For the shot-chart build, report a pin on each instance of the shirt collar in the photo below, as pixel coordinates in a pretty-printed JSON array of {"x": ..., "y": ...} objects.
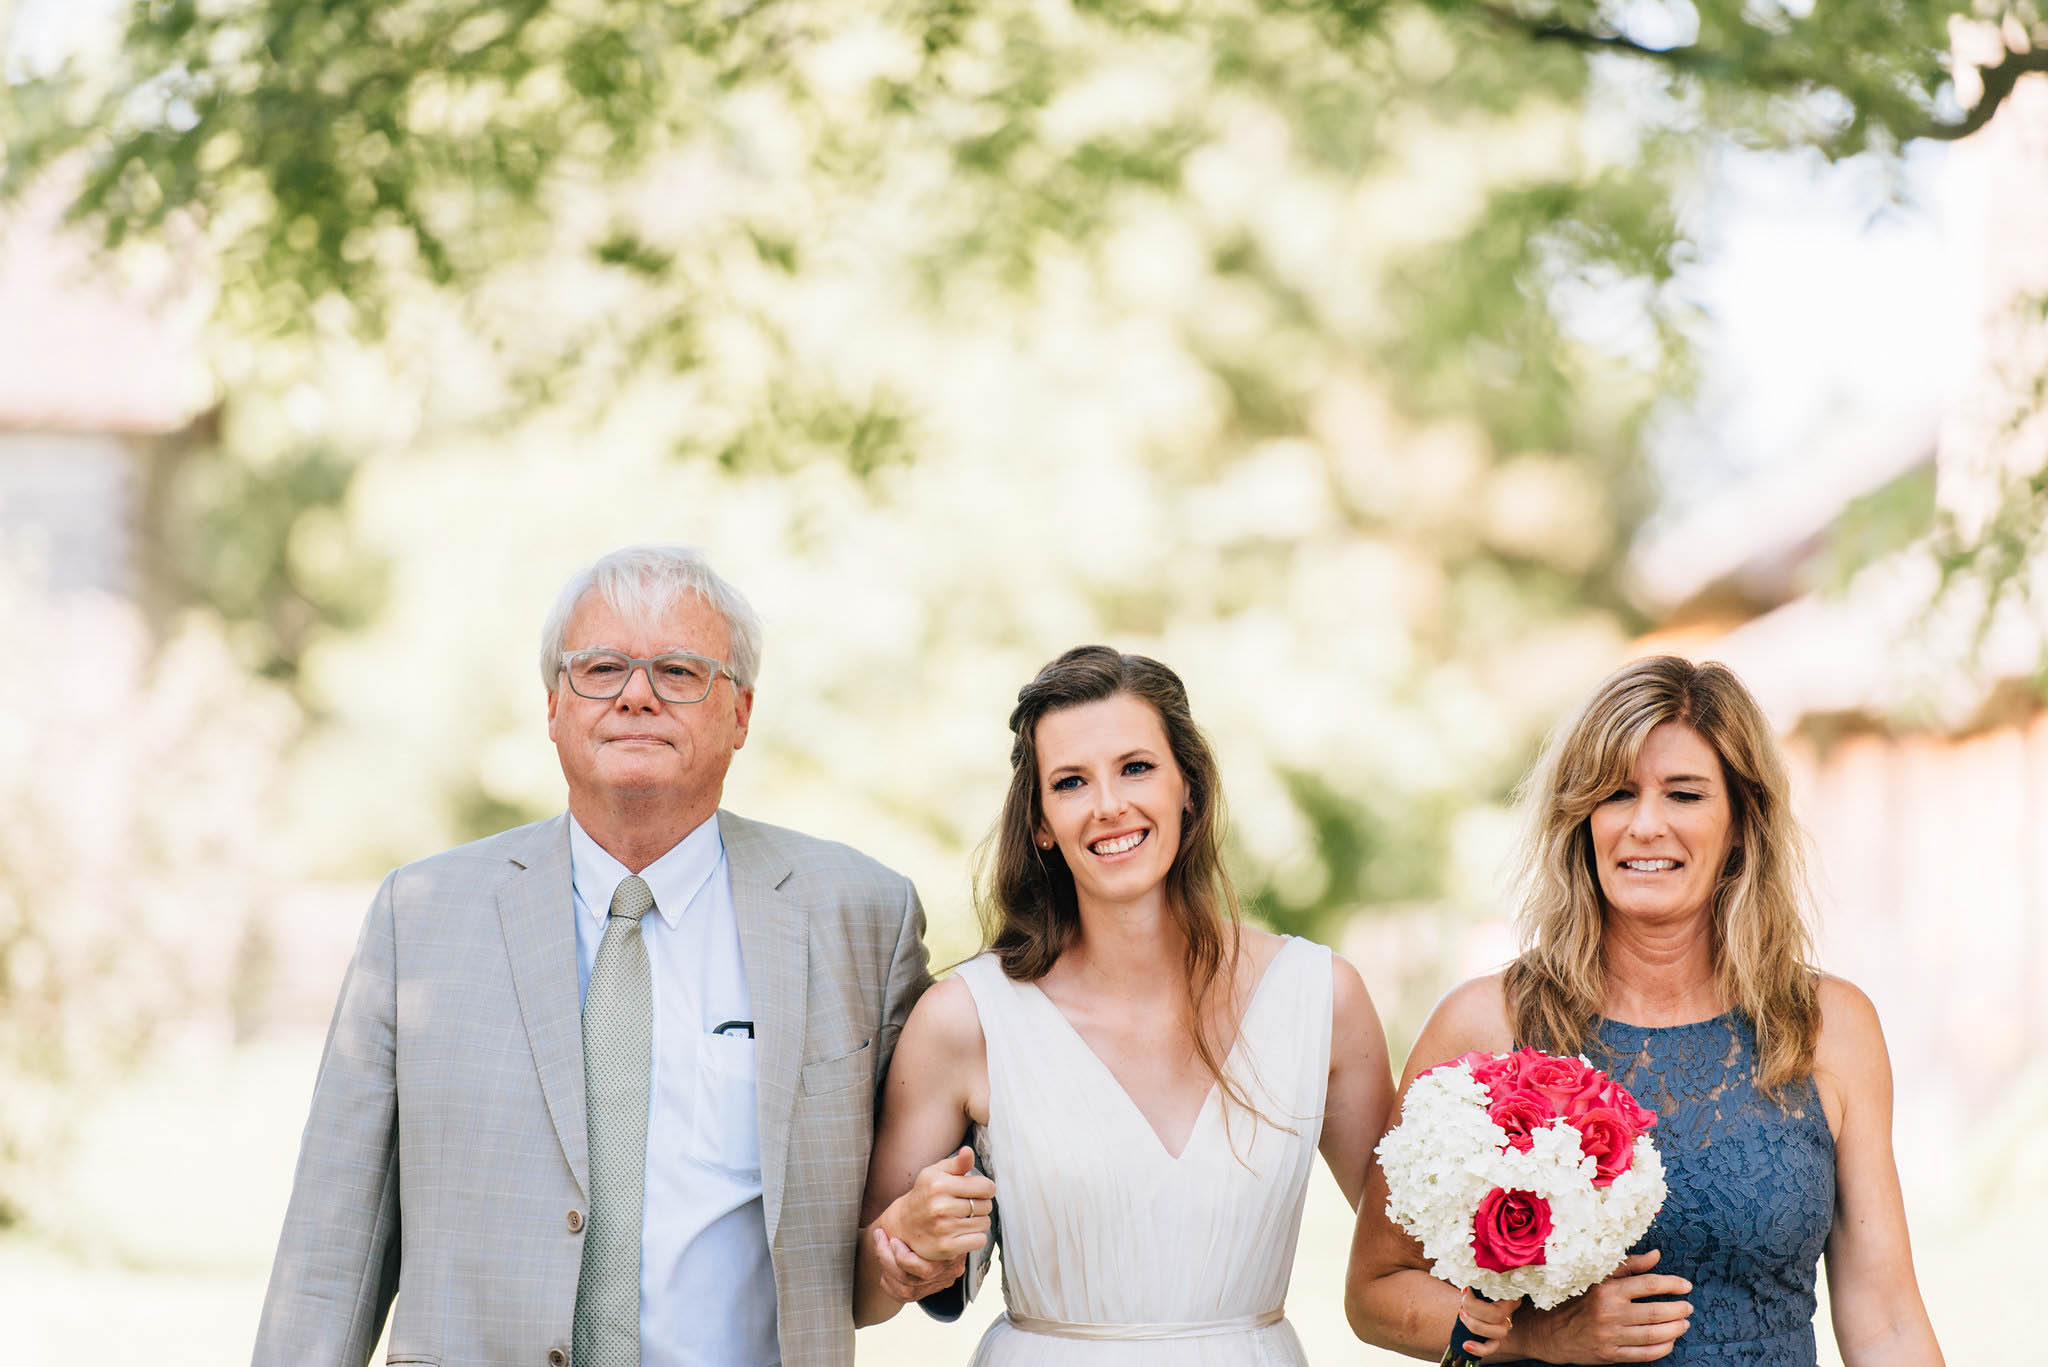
[{"x": 674, "y": 879}]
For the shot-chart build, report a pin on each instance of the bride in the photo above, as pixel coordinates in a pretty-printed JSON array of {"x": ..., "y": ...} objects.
[{"x": 1147, "y": 1078}]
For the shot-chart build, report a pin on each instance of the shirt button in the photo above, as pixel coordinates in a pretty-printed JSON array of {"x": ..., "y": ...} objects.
[
  {"x": 557, "y": 1358},
  {"x": 575, "y": 1227}
]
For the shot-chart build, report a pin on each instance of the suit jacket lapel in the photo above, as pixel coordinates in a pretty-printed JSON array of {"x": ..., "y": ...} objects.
[
  {"x": 536, "y": 908},
  {"x": 775, "y": 944}
]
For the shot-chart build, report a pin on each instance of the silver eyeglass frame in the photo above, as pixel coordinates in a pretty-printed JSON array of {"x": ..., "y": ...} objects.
[{"x": 713, "y": 669}]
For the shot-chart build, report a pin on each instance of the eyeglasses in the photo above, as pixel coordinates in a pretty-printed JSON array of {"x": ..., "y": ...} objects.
[{"x": 678, "y": 676}]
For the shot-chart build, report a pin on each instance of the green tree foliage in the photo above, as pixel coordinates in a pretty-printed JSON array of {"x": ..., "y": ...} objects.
[
  {"x": 1415, "y": 257},
  {"x": 328, "y": 155}
]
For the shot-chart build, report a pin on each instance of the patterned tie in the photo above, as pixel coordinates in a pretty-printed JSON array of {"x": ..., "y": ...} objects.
[{"x": 618, "y": 1046}]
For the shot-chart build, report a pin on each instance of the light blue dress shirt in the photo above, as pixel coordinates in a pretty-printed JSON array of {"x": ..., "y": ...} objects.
[{"x": 707, "y": 1290}]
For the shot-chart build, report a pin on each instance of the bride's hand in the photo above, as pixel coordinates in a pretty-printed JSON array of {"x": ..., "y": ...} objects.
[{"x": 945, "y": 1214}]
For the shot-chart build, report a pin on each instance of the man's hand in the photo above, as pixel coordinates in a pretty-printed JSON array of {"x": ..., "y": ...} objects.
[{"x": 907, "y": 1277}]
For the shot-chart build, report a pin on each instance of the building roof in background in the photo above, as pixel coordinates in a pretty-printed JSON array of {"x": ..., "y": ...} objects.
[
  {"x": 1890, "y": 645},
  {"x": 1755, "y": 545},
  {"x": 82, "y": 352},
  {"x": 1744, "y": 580}
]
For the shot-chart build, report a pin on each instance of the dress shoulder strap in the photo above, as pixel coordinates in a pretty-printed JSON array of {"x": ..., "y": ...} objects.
[{"x": 1286, "y": 1028}]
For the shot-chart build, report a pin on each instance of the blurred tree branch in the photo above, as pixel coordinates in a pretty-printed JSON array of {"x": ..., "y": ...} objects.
[
  {"x": 1999, "y": 80},
  {"x": 1888, "y": 64}
]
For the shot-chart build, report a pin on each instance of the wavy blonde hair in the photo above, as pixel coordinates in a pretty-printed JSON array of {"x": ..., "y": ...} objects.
[{"x": 1762, "y": 947}]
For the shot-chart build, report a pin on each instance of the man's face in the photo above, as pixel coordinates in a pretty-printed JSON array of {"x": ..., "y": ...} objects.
[{"x": 636, "y": 746}]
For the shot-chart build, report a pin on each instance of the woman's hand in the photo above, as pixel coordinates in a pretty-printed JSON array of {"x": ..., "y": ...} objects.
[
  {"x": 1488, "y": 1320},
  {"x": 1611, "y": 1322},
  {"x": 945, "y": 1214}
]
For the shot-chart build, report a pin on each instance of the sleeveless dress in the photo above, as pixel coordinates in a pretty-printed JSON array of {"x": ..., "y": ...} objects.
[
  {"x": 1115, "y": 1253},
  {"x": 1752, "y": 1187}
]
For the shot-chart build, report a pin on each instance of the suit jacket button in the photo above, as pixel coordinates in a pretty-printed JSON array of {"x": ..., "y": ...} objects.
[
  {"x": 575, "y": 1227},
  {"x": 557, "y": 1358}
]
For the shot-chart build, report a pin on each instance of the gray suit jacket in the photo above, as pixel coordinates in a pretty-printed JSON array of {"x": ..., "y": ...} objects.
[{"x": 446, "y": 1148}]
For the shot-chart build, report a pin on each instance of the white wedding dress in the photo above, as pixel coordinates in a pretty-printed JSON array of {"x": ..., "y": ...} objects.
[{"x": 1116, "y": 1253}]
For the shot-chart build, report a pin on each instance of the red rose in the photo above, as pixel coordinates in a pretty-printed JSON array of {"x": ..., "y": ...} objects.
[
  {"x": 1638, "y": 1118},
  {"x": 1595, "y": 1090},
  {"x": 1510, "y": 1230},
  {"x": 1520, "y": 1112},
  {"x": 1560, "y": 1079},
  {"x": 1606, "y": 1137},
  {"x": 1490, "y": 1069}
]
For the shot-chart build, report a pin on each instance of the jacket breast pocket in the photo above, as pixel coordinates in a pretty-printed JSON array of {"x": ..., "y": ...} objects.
[{"x": 839, "y": 1073}]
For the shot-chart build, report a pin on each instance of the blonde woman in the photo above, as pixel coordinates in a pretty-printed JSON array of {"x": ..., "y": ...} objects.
[{"x": 1662, "y": 912}]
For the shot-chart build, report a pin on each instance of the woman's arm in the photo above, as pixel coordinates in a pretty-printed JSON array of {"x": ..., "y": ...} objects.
[
  {"x": 1873, "y": 1295},
  {"x": 916, "y": 1223},
  {"x": 1389, "y": 1296},
  {"x": 1361, "y": 1088}
]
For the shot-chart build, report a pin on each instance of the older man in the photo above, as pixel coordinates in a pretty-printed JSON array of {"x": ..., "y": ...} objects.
[{"x": 600, "y": 1090}]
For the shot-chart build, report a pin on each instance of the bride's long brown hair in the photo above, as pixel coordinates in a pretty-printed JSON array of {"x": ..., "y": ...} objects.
[{"x": 1025, "y": 895}]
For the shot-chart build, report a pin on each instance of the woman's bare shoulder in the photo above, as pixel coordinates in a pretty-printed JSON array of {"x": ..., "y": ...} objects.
[
  {"x": 1472, "y": 1015},
  {"x": 1477, "y": 1006},
  {"x": 945, "y": 1021},
  {"x": 1351, "y": 1008},
  {"x": 1850, "y": 1035}
]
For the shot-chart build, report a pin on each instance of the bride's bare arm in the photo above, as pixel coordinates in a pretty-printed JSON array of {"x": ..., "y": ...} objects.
[
  {"x": 922, "y": 1212},
  {"x": 1361, "y": 1081}
]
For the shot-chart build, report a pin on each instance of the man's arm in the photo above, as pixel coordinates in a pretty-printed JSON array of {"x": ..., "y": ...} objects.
[{"x": 337, "y": 1260}]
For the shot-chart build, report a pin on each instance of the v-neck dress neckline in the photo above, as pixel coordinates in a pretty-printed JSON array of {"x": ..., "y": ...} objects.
[
  {"x": 1211, "y": 1098},
  {"x": 1115, "y": 1253}
]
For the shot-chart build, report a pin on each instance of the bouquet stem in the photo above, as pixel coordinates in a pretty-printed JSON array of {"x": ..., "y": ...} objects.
[{"x": 1455, "y": 1355}]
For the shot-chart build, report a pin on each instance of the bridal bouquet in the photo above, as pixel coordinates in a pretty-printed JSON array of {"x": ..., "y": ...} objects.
[{"x": 1521, "y": 1174}]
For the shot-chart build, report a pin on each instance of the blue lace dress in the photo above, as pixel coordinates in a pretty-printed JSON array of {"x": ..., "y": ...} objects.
[{"x": 1752, "y": 1187}]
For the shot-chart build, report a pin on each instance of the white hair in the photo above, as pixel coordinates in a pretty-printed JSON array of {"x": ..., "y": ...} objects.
[{"x": 643, "y": 584}]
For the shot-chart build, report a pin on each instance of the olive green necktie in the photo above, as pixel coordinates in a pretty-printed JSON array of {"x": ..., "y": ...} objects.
[{"x": 618, "y": 1052}]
